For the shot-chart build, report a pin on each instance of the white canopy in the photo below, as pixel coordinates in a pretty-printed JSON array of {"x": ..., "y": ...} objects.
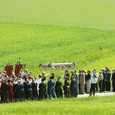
[{"x": 58, "y": 66}]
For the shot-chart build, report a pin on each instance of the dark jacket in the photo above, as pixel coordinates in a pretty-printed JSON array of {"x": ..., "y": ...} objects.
[
  {"x": 113, "y": 77},
  {"x": 51, "y": 90},
  {"x": 28, "y": 88},
  {"x": 42, "y": 91},
  {"x": 108, "y": 76},
  {"x": 34, "y": 90},
  {"x": 74, "y": 87},
  {"x": 21, "y": 93},
  {"x": 4, "y": 89},
  {"x": 58, "y": 89}
]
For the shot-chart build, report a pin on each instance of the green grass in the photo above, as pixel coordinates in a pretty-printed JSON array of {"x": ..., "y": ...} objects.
[
  {"x": 73, "y": 106},
  {"x": 43, "y": 31},
  {"x": 101, "y": 64},
  {"x": 75, "y": 13},
  {"x": 37, "y": 44}
]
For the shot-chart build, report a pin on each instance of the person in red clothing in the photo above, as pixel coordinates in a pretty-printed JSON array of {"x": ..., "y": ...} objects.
[{"x": 10, "y": 91}]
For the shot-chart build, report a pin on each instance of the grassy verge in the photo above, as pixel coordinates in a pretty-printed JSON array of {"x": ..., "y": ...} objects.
[{"x": 79, "y": 106}]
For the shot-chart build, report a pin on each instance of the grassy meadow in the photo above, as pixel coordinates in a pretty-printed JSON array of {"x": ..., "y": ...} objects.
[
  {"x": 37, "y": 44},
  {"x": 49, "y": 31},
  {"x": 70, "y": 13},
  {"x": 73, "y": 106}
]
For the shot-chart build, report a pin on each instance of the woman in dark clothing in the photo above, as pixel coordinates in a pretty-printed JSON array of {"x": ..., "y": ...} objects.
[
  {"x": 42, "y": 90},
  {"x": 66, "y": 87},
  {"x": 73, "y": 88},
  {"x": 58, "y": 88}
]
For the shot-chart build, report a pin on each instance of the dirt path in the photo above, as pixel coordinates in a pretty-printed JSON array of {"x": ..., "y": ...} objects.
[{"x": 98, "y": 94}]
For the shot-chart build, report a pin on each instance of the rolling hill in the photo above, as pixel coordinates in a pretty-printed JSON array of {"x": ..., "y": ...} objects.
[{"x": 43, "y": 31}]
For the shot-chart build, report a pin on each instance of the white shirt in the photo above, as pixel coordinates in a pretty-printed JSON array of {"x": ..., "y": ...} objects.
[
  {"x": 93, "y": 79},
  {"x": 100, "y": 77},
  {"x": 22, "y": 74}
]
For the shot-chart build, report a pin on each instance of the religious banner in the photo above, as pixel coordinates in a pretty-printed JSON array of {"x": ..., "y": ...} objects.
[
  {"x": 58, "y": 66},
  {"x": 9, "y": 70},
  {"x": 18, "y": 68}
]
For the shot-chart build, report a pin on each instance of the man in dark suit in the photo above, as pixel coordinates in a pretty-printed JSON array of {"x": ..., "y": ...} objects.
[
  {"x": 15, "y": 89},
  {"x": 21, "y": 92},
  {"x": 104, "y": 78},
  {"x": 108, "y": 80},
  {"x": 28, "y": 88},
  {"x": 4, "y": 89},
  {"x": 34, "y": 90},
  {"x": 42, "y": 90},
  {"x": 113, "y": 79}
]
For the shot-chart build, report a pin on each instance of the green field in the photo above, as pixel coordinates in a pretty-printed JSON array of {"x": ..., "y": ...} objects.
[
  {"x": 37, "y": 44},
  {"x": 73, "y": 106},
  {"x": 75, "y": 13},
  {"x": 48, "y": 31}
]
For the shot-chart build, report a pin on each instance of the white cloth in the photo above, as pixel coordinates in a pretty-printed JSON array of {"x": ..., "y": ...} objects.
[
  {"x": 15, "y": 82},
  {"x": 22, "y": 80},
  {"x": 38, "y": 83},
  {"x": 30, "y": 81},
  {"x": 100, "y": 77},
  {"x": 93, "y": 80},
  {"x": 22, "y": 74}
]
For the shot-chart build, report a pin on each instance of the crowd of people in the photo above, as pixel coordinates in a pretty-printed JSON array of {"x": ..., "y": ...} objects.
[{"x": 24, "y": 87}]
